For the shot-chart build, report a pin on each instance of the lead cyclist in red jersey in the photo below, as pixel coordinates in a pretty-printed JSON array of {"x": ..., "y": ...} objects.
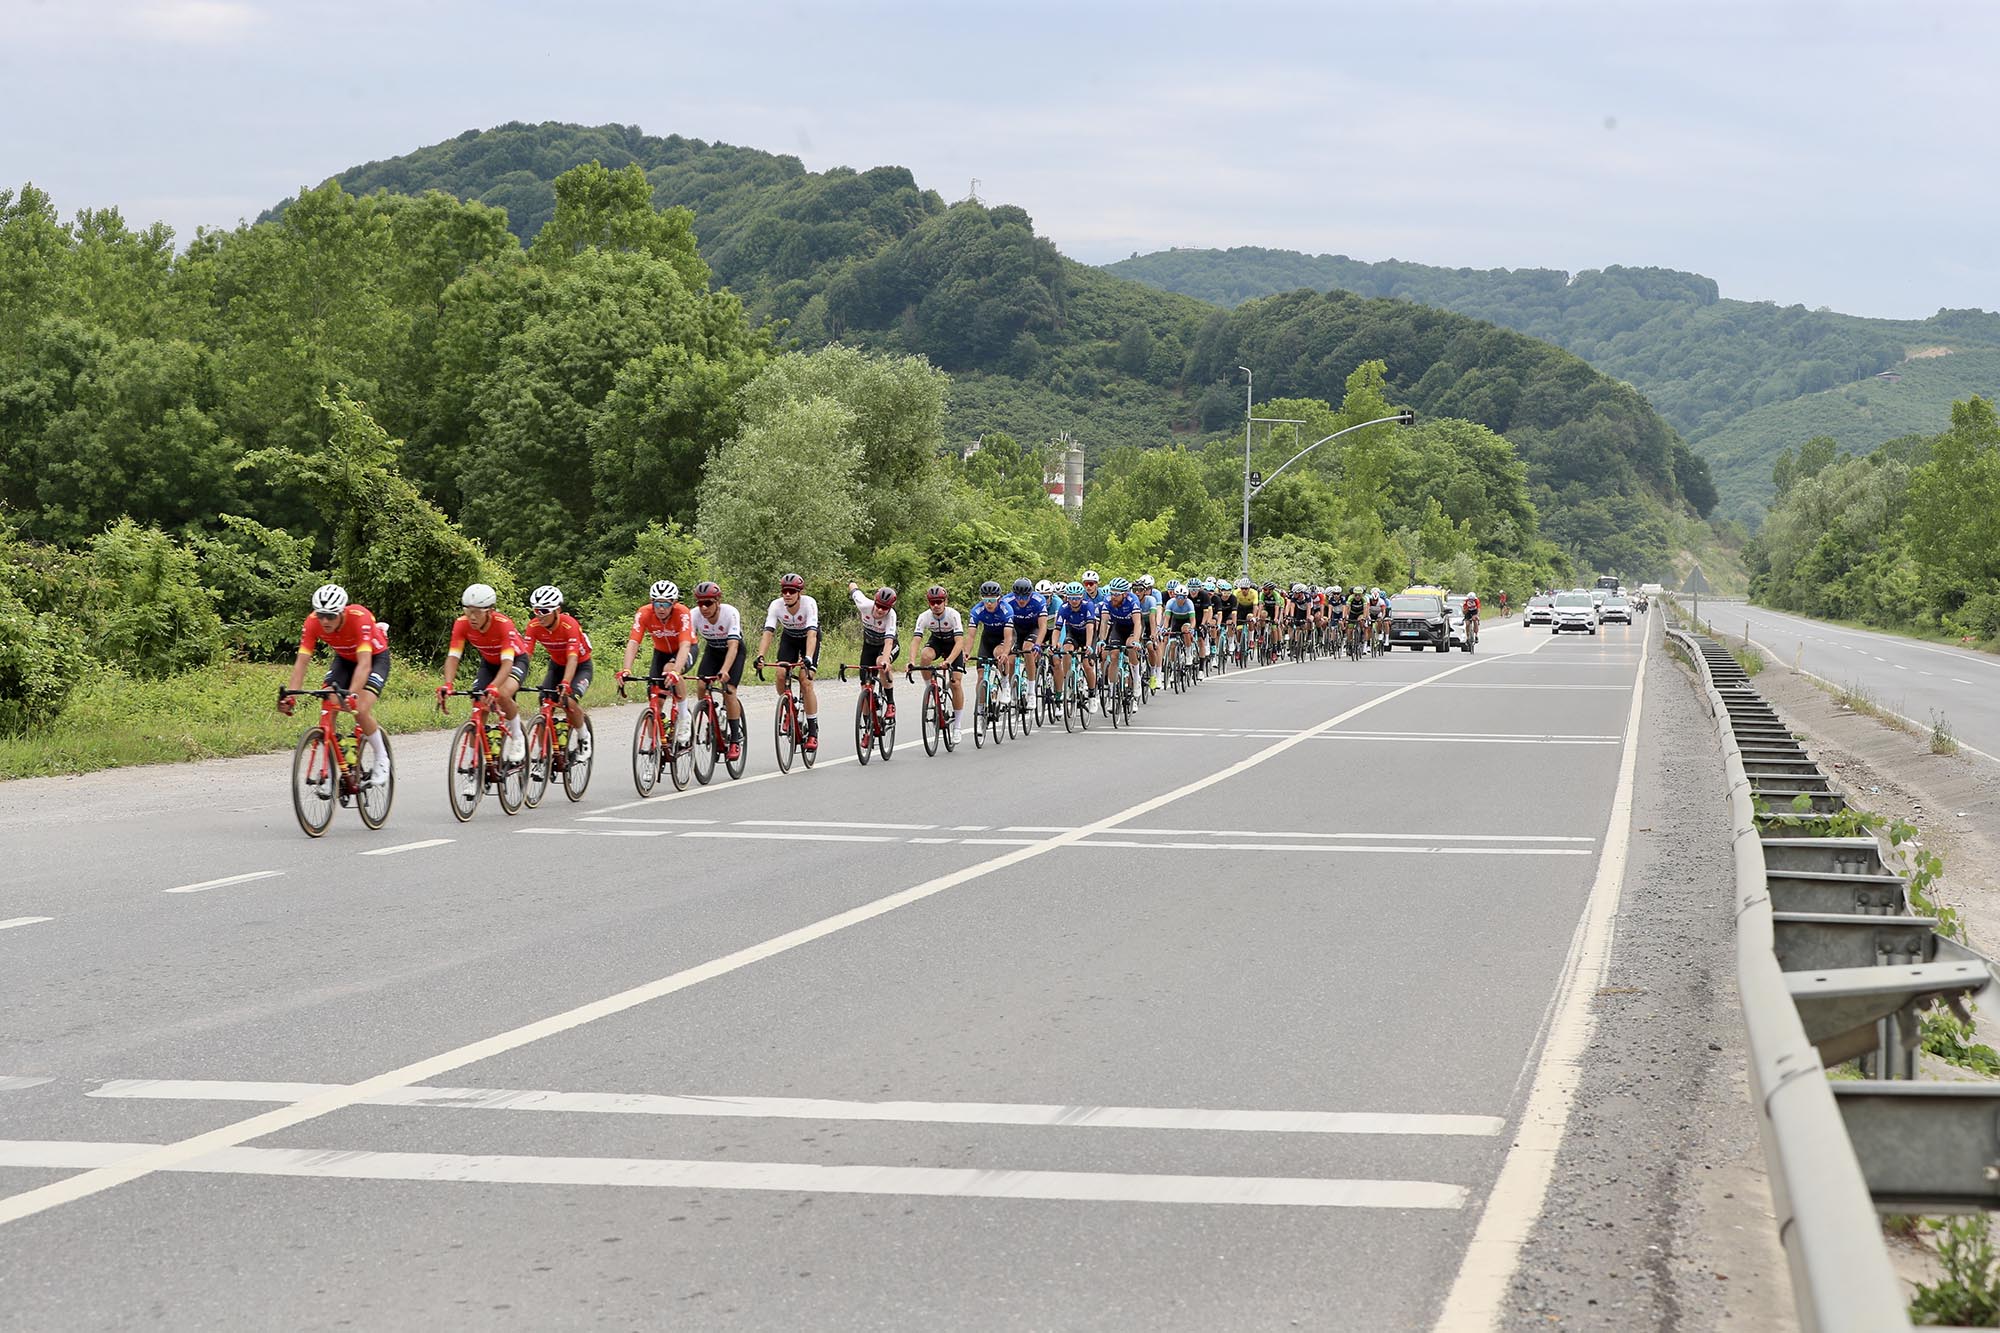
[
  {"x": 568, "y": 648},
  {"x": 360, "y": 645}
]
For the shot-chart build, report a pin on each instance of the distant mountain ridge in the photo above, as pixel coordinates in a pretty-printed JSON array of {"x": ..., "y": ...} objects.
[{"x": 1705, "y": 361}]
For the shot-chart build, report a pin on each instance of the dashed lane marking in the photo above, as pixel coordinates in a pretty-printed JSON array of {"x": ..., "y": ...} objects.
[
  {"x": 205, "y": 885},
  {"x": 11, "y": 922},
  {"x": 409, "y": 847}
]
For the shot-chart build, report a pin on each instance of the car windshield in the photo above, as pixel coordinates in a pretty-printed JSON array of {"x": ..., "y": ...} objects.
[
  {"x": 1573, "y": 599},
  {"x": 1416, "y": 606},
  {"x": 1543, "y": 600},
  {"x": 1618, "y": 602}
]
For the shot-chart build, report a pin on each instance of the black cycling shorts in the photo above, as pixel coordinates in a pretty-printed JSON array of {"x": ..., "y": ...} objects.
[
  {"x": 941, "y": 646},
  {"x": 1175, "y": 624},
  {"x": 990, "y": 639},
  {"x": 662, "y": 663},
  {"x": 792, "y": 646},
  {"x": 871, "y": 648},
  {"x": 490, "y": 671},
  {"x": 712, "y": 653},
  {"x": 340, "y": 674},
  {"x": 1122, "y": 632},
  {"x": 552, "y": 679}
]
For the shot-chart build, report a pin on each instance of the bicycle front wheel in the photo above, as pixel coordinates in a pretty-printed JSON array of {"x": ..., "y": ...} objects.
[
  {"x": 932, "y": 730},
  {"x": 864, "y": 725},
  {"x": 704, "y": 742},
  {"x": 315, "y": 779},
  {"x": 680, "y": 750},
  {"x": 784, "y": 739},
  {"x": 979, "y": 714},
  {"x": 581, "y": 759},
  {"x": 510, "y": 783},
  {"x": 647, "y": 757},
  {"x": 377, "y": 797},
  {"x": 541, "y": 763},
  {"x": 465, "y": 775}
]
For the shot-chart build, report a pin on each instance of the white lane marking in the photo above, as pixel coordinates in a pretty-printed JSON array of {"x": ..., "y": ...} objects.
[
  {"x": 16, "y": 1082},
  {"x": 14, "y": 921},
  {"x": 790, "y": 837},
  {"x": 929, "y": 842},
  {"x": 1471, "y": 740},
  {"x": 169, "y": 1156},
  {"x": 551, "y": 830},
  {"x": 1385, "y": 837},
  {"x": 970, "y": 828},
  {"x": 1956, "y": 681},
  {"x": 610, "y": 832},
  {"x": 1932, "y": 674},
  {"x": 822, "y": 823},
  {"x": 788, "y": 1177},
  {"x": 1337, "y": 847},
  {"x": 825, "y": 1108},
  {"x": 1478, "y": 1294},
  {"x": 1900, "y": 667},
  {"x": 1035, "y": 828},
  {"x": 998, "y": 842},
  {"x": 642, "y": 819},
  {"x": 697, "y": 790},
  {"x": 226, "y": 880},
  {"x": 408, "y": 847}
]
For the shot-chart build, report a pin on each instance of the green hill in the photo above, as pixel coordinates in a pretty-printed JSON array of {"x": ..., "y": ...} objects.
[
  {"x": 1039, "y": 343},
  {"x": 1704, "y": 361}
]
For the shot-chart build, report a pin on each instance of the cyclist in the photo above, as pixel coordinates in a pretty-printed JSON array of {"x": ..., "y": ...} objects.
[
  {"x": 569, "y": 670},
  {"x": 996, "y": 633},
  {"x": 1030, "y": 609},
  {"x": 941, "y": 634},
  {"x": 1182, "y": 613},
  {"x": 1357, "y": 611},
  {"x": 667, "y": 623},
  {"x": 1242, "y": 611},
  {"x": 878, "y": 638},
  {"x": 1273, "y": 613},
  {"x": 720, "y": 628},
  {"x": 1090, "y": 588},
  {"x": 1379, "y": 604},
  {"x": 1076, "y": 623},
  {"x": 360, "y": 647},
  {"x": 1124, "y": 621},
  {"x": 797, "y": 616},
  {"x": 1299, "y": 614},
  {"x": 1471, "y": 608},
  {"x": 503, "y": 661},
  {"x": 1153, "y": 624}
]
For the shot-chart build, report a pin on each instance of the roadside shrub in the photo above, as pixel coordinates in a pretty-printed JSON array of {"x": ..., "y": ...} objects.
[
  {"x": 659, "y": 551},
  {"x": 262, "y": 579},
  {"x": 149, "y": 611},
  {"x": 41, "y": 659}
]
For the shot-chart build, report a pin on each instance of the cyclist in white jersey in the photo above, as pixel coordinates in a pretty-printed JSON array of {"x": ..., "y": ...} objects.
[
  {"x": 878, "y": 638},
  {"x": 795, "y": 618},
  {"x": 941, "y": 642},
  {"x": 720, "y": 629}
]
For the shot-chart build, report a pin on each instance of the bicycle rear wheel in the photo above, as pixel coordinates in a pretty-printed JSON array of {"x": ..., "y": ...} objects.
[
  {"x": 465, "y": 774},
  {"x": 377, "y": 797},
  {"x": 541, "y": 762},
  {"x": 1067, "y": 705},
  {"x": 647, "y": 756},
  {"x": 680, "y": 749},
  {"x": 785, "y": 740},
  {"x": 314, "y": 783},
  {"x": 704, "y": 743},
  {"x": 509, "y": 783},
  {"x": 580, "y": 760},
  {"x": 885, "y": 740},
  {"x": 742, "y": 759}
]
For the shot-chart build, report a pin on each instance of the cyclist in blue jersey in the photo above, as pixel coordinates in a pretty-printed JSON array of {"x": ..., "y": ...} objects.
[
  {"x": 1031, "y": 616},
  {"x": 1091, "y": 589},
  {"x": 1182, "y": 612},
  {"x": 1124, "y": 621},
  {"x": 1152, "y": 623},
  {"x": 996, "y": 632},
  {"x": 1076, "y": 626}
]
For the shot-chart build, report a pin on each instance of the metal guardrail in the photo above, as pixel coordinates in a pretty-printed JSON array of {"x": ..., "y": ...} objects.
[{"x": 1830, "y": 967}]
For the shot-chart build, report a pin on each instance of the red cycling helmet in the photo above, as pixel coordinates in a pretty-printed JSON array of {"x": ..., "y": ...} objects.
[
  {"x": 707, "y": 590},
  {"x": 792, "y": 583},
  {"x": 937, "y": 594},
  {"x": 885, "y": 598}
]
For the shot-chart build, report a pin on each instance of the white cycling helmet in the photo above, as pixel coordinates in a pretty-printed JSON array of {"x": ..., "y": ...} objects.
[
  {"x": 1090, "y": 576},
  {"x": 1044, "y": 587},
  {"x": 1242, "y": 581},
  {"x": 479, "y": 596},
  {"x": 330, "y": 598},
  {"x": 545, "y": 598},
  {"x": 1144, "y": 581},
  {"x": 666, "y": 590}
]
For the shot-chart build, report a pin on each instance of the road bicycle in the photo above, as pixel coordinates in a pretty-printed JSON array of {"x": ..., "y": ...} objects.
[
  {"x": 874, "y": 730},
  {"x": 988, "y": 713},
  {"x": 936, "y": 724},
  {"x": 1122, "y": 691},
  {"x": 1048, "y": 703},
  {"x": 788, "y": 722},
  {"x": 552, "y": 750},
  {"x": 1072, "y": 697},
  {"x": 708, "y": 738},
  {"x": 657, "y": 744},
  {"x": 327, "y": 771},
  {"x": 476, "y": 760}
]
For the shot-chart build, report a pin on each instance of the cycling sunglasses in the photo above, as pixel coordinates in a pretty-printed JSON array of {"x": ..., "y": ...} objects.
[{"x": 705, "y": 602}]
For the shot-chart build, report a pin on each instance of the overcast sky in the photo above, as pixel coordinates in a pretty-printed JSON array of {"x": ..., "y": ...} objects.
[{"x": 1828, "y": 154}]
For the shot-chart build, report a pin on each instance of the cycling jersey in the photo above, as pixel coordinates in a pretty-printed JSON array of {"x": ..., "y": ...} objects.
[
  {"x": 875, "y": 622},
  {"x": 1120, "y": 612},
  {"x": 720, "y": 628},
  {"x": 1076, "y": 618},
  {"x": 357, "y": 629},
  {"x": 1028, "y": 613},
  {"x": 497, "y": 641},
  {"x": 670, "y": 635},
  {"x": 1150, "y": 602},
  {"x": 1181, "y": 607},
  {"x": 1246, "y": 597},
  {"x": 1355, "y": 606},
  {"x": 945, "y": 622},
  {"x": 794, "y": 620},
  {"x": 996, "y": 616},
  {"x": 564, "y": 640}
]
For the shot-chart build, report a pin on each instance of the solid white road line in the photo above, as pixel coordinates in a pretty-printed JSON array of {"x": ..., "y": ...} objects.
[
  {"x": 1479, "y": 1292},
  {"x": 408, "y": 847},
  {"x": 169, "y": 1156},
  {"x": 1383, "y": 837},
  {"x": 15, "y": 1082},
  {"x": 14, "y": 921},
  {"x": 790, "y": 1177},
  {"x": 1318, "y": 850},
  {"x": 823, "y": 1108},
  {"x": 208, "y": 884}
]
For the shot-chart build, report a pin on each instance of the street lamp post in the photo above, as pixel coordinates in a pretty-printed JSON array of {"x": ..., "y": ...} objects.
[
  {"x": 1249, "y": 411},
  {"x": 1402, "y": 418}
]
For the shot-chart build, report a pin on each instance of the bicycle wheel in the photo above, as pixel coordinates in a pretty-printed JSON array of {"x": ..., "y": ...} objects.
[
  {"x": 785, "y": 740},
  {"x": 541, "y": 762},
  {"x": 885, "y": 739},
  {"x": 864, "y": 724},
  {"x": 742, "y": 759},
  {"x": 314, "y": 782},
  {"x": 647, "y": 757},
  {"x": 704, "y": 742},
  {"x": 933, "y": 729},
  {"x": 1004, "y": 710},
  {"x": 680, "y": 749},
  {"x": 510, "y": 783},
  {"x": 582, "y": 758},
  {"x": 1067, "y": 704},
  {"x": 376, "y": 798},
  {"x": 465, "y": 775},
  {"x": 979, "y": 713}
]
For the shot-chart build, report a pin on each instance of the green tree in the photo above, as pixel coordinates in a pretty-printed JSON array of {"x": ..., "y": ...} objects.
[{"x": 783, "y": 495}]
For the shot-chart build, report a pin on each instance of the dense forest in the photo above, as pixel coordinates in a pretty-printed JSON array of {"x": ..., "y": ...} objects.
[
  {"x": 1704, "y": 361},
  {"x": 1905, "y": 537}
]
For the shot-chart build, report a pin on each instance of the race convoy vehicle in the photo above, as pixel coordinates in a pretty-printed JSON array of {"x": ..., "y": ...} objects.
[
  {"x": 1541, "y": 610},
  {"x": 1616, "y": 608},
  {"x": 1418, "y": 620},
  {"x": 1574, "y": 610}
]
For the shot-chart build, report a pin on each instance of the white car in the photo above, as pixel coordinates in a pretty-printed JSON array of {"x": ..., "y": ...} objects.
[
  {"x": 1616, "y": 608},
  {"x": 1574, "y": 610},
  {"x": 1541, "y": 611}
]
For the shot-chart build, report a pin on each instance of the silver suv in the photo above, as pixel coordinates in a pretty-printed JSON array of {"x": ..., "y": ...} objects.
[{"x": 1574, "y": 610}]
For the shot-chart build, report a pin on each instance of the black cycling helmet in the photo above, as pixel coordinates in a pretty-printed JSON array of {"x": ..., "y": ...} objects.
[
  {"x": 1022, "y": 587},
  {"x": 1270, "y": 585},
  {"x": 989, "y": 589}
]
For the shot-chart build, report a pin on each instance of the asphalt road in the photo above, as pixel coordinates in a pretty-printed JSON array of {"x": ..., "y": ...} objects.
[
  {"x": 1906, "y": 676},
  {"x": 1223, "y": 1021}
]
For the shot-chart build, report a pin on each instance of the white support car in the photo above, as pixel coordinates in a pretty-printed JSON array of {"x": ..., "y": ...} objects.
[
  {"x": 1575, "y": 610},
  {"x": 1541, "y": 611},
  {"x": 1617, "y": 608}
]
